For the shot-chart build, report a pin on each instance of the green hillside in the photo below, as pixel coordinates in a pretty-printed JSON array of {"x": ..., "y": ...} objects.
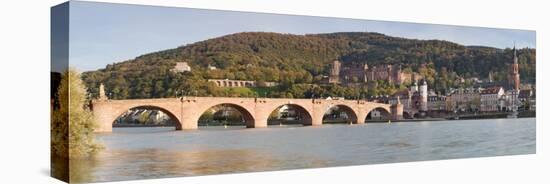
[{"x": 296, "y": 61}]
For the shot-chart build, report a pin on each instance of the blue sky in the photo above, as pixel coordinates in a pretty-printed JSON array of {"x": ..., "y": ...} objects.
[{"x": 103, "y": 33}]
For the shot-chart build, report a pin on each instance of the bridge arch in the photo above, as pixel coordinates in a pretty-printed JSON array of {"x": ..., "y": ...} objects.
[
  {"x": 341, "y": 109},
  {"x": 378, "y": 113},
  {"x": 295, "y": 110},
  {"x": 247, "y": 117},
  {"x": 170, "y": 114}
]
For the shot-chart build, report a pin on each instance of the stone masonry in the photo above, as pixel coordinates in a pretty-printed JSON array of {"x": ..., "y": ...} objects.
[{"x": 187, "y": 110}]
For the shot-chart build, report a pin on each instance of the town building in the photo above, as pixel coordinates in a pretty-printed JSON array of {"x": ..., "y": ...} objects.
[
  {"x": 181, "y": 67},
  {"x": 437, "y": 102},
  {"x": 437, "y": 105},
  {"x": 465, "y": 99},
  {"x": 533, "y": 100},
  {"x": 525, "y": 98},
  {"x": 511, "y": 101},
  {"x": 491, "y": 99}
]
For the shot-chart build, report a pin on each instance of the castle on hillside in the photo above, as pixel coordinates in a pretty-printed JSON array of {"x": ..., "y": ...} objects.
[{"x": 362, "y": 73}]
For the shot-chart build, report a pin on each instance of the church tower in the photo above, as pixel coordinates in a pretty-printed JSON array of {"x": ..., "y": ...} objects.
[{"x": 513, "y": 73}]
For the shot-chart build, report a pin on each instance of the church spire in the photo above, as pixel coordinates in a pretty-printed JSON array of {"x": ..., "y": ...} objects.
[
  {"x": 513, "y": 76},
  {"x": 515, "y": 54}
]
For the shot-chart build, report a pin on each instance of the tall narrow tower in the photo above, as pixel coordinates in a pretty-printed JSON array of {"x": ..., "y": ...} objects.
[
  {"x": 102, "y": 95},
  {"x": 513, "y": 73},
  {"x": 423, "y": 90},
  {"x": 334, "y": 76}
]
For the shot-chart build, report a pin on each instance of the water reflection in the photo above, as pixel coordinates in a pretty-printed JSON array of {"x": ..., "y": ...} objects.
[
  {"x": 155, "y": 163},
  {"x": 82, "y": 170},
  {"x": 140, "y": 153}
]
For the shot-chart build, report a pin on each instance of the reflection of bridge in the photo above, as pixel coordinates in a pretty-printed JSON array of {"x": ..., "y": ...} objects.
[{"x": 255, "y": 111}]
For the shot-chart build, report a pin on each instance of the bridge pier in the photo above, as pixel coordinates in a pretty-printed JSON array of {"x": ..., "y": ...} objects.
[
  {"x": 188, "y": 124},
  {"x": 259, "y": 123},
  {"x": 361, "y": 116},
  {"x": 396, "y": 112},
  {"x": 104, "y": 115},
  {"x": 104, "y": 124},
  {"x": 317, "y": 120}
]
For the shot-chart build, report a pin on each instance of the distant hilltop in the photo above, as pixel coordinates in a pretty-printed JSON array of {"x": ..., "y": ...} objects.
[{"x": 301, "y": 59}]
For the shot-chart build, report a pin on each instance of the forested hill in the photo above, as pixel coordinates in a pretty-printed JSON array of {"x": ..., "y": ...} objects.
[{"x": 297, "y": 59}]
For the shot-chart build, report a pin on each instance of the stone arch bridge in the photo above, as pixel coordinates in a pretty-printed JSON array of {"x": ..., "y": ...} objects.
[{"x": 255, "y": 111}]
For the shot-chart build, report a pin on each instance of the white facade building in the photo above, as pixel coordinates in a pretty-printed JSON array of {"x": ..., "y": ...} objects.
[
  {"x": 181, "y": 67},
  {"x": 465, "y": 99},
  {"x": 423, "y": 92},
  {"x": 490, "y": 100}
]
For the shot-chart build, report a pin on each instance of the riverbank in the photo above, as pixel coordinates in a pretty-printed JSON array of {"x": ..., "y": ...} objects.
[
  {"x": 523, "y": 114},
  {"x": 500, "y": 115}
]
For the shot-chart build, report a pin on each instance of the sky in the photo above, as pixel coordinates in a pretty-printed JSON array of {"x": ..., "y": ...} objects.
[{"x": 104, "y": 33}]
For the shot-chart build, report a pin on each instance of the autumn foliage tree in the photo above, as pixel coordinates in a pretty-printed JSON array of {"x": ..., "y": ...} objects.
[{"x": 72, "y": 125}]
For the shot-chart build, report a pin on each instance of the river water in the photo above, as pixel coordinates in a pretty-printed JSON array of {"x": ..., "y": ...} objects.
[{"x": 144, "y": 153}]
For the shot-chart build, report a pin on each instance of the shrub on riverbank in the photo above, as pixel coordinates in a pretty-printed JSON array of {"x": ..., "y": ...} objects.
[{"x": 72, "y": 125}]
